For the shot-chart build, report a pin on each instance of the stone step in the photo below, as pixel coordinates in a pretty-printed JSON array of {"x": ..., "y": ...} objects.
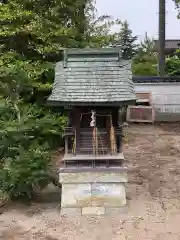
[
  {"x": 91, "y": 137},
  {"x": 94, "y": 211},
  {"x": 105, "y": 138},
  {"x": 90, "y": 142},
  {"x": 90, "y": 151},
  {"x": 88, "y": 146}
]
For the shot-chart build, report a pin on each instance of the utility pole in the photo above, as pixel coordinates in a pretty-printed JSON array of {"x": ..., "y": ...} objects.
[{"x": 162, "y": 36}]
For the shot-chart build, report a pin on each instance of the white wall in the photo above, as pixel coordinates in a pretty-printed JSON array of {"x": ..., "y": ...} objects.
[{"x": 165, "y": 96}]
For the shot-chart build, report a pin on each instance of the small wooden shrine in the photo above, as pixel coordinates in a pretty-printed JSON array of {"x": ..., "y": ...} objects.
[{"x": 93, "y": 85}]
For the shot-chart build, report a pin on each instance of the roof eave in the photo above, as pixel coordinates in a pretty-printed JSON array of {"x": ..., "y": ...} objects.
[{"x": 53, "y": 103}]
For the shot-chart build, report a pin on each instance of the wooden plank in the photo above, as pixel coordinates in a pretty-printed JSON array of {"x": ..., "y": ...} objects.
[
  {"x": 119, "y": 156},
  {"x": 144, "y": 97},
  {"x": 140, "y": 116}
]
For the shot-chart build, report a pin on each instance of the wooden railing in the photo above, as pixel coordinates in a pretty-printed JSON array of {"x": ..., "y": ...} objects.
[
  {"x": 74, "y": 143},
  {"x": 96, "y": 139},
  {"x": 113, "y": 140},
  {"x": 68, "y": 131},
  {"x": 112, "y": 137}
]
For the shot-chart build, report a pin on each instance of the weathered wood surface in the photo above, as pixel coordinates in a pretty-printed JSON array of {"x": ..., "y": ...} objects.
[{"x": 119, "y": 156}]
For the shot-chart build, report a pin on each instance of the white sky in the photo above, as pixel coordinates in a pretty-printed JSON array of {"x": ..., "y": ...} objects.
[{"x": 142, "y": 16}]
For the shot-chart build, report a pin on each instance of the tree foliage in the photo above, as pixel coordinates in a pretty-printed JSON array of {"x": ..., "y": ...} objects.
[
  {"x": 99, "y": 29},
  {"x": 172, "y": 67},
  {"x": 145, "y": 61},
  {"x": 32, "y": 36},
  {"x": 177, "y": 4},
  {"x": 125, "y": 39}
]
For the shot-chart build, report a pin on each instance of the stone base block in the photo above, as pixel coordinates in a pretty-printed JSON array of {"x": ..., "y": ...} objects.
[
  {"x": 100, "y": 197},
  {"x": 71, "y": 212},
  {"x": 111, "y": 211},
  {"x": 93, "y": 211},
  {"x": 95, "y": 195},
  {"x": 93, "y": 177}
]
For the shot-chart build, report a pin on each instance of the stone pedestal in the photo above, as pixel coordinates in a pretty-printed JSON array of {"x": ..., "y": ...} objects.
[{"x": 95, "y": 192}]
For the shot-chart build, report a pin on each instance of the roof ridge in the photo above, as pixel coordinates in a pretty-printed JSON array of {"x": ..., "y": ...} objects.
[
  {"x": 91, "y": 51},
  {"x": 91, "y": 55}
]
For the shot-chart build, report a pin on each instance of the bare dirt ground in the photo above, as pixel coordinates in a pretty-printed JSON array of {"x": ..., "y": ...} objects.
[{"x": 153, "y": 192}]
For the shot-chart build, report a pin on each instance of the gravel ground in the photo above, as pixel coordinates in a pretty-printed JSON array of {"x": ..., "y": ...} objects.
[{"x": 153, "y": 192}]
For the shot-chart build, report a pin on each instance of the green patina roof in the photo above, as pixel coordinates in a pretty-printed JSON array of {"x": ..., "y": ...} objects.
[{"x": 92, "y": 76}]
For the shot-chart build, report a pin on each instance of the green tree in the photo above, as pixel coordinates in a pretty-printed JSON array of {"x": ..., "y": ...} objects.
[
  {"x": 32, "y": 36},
  {"x": 147, "y": 45},
  {"x": 145, "y": 69},
  {"x": 125, "y": 39},
  {"x": 177, "y": 5},
  {"x": 99, "y": 29},
  {"x": 145, "y": 60},
  {"x": 26, "y": 132},
  {"x": 172, "y": 67}
]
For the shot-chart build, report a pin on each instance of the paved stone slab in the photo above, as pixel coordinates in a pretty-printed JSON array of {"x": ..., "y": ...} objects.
[
  {"x": 93, "y": 211},
  {"x": 111, "y": 194},
  {"x": 93, "y": 177},
  {"x": 111, "y": 211},
  {"x": 72, "y": 212},
  {"x": 76, "y": 195}
]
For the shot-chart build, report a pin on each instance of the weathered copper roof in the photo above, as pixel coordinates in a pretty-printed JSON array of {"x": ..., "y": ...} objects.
[{"x": 92, "y": 76}]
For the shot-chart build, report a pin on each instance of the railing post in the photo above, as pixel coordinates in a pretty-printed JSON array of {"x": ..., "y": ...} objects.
[
  {"x": 74, "y": 143},
  {"x": 66, "y": 145}
]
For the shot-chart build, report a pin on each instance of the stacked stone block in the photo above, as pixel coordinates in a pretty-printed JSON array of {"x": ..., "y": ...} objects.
[{"x": 93, "y": 193}]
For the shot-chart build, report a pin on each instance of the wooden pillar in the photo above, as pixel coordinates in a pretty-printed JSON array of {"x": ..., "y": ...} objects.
[
  {"x": 76, "y": 116},
  {"x": 108, "y": 131},
  {"x": 66, "y": 145},
  {"x": 115, "y": 124},
  {"x": 68, "y": 141},
  {"x": 120, "y": 122},
  {"x": 69, "y": 118}
]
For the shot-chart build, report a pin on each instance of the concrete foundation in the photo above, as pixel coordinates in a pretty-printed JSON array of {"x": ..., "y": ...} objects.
[{"x": 93, "y": 193}]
